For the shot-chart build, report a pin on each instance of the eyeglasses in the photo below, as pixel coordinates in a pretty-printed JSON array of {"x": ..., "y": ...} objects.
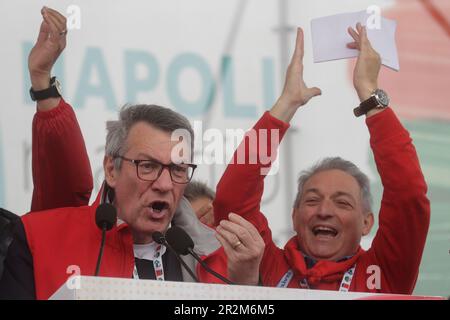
[{"x": 150, "y": 170}]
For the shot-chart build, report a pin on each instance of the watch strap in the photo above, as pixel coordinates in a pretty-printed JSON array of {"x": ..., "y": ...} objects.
[
  {"x": 50, "y": 92},
  {"x": 366, "y": 106}
]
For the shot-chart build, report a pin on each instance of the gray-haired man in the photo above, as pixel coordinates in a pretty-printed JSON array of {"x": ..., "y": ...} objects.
[{"x": 332, "y": 210}]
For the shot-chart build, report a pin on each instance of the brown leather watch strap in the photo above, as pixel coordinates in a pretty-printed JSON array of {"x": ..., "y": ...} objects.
[{"x": 366, "y": 106}]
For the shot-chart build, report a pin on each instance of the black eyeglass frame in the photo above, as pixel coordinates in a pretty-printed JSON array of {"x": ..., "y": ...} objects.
[{"x": 168, "y": 166}]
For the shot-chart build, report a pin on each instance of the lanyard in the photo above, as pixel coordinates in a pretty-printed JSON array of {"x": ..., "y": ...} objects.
[
  {"x": 344, "y": 287},
  {"x": 157, "y": 265}
]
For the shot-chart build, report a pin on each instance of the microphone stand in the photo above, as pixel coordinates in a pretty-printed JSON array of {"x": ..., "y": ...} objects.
[
  {"x": 191, "y": 273},
  {"x": 100, "y": 254},
  {"x": 204, "y": 265}
]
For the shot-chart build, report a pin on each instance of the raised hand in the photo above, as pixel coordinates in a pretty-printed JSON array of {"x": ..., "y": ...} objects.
[
  {"x": 367, "y": 68},
  {"x": 50, "y": 43},
  {"x": 295, "y": 92},
  {"x": 244, "y": 248}
]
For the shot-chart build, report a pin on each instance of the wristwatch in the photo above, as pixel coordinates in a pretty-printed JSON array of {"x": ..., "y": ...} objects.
[
  {"x": 53, "y": 91},
  {"x": 379, "y": 99}
]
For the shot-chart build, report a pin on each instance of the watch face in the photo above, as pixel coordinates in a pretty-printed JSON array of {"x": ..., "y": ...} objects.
[
  {"x": 382, "y": 97},
  {"x": 58, "y": 86}
]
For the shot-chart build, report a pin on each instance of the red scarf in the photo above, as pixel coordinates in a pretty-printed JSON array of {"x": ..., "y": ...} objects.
[{"x": 322, "y": 271}]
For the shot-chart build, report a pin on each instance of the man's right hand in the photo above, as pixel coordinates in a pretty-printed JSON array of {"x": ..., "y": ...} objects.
[{"x": 50, "y": 43}]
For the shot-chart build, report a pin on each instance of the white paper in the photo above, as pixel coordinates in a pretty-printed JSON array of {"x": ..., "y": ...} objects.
[{"x": 330, "y": 38}]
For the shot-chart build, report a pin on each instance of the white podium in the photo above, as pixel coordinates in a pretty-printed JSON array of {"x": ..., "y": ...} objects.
[{"x": 99, "y": 288}]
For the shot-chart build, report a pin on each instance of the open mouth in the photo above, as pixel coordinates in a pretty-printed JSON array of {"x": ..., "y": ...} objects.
[
  {"x": 324, "y": 231},
  {"x": 158, "y": 208}
]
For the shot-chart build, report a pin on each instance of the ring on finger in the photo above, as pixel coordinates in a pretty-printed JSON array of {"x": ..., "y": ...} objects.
[
  {"x": 63, "y": 33},
  {"x": 237, "y": 244}
]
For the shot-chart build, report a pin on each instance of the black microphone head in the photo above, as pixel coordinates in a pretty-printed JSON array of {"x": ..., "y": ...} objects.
[
  {"x": 179, "y": 240},
  {"x": 106, "y": 216},
  {"x": 158, "y": 237}
]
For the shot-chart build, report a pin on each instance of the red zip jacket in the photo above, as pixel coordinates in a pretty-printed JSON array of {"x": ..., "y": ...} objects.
[{"x": 403, "y": 219}]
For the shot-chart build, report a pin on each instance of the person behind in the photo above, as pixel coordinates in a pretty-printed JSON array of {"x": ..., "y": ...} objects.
[
  {"x": 201, "y": 198},
  {"x": 332, "y": 210},
  {"x": 142, "y": 181}
]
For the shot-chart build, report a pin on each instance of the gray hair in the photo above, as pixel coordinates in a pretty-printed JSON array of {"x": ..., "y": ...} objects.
[
  {"x": 338, "y": 164},
  {"x": 198, "y": 189},
  {"x": 160, "y": 117}
]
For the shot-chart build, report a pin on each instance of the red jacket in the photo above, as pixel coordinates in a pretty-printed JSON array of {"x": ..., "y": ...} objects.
[
  {"x": 403, "y": 219},
  {"x": 59, "y": 238}
]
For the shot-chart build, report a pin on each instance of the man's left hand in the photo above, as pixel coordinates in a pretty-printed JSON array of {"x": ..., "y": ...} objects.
[
  {"x": 365, "y": 75},
  {"x": 244, "y": 248}
]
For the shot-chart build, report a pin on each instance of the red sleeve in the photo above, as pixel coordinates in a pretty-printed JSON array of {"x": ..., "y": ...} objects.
[
  {"x": 405, "y": 209},
  {"x": 61, "y": 171},
  {"x": 241, "y": 187}
]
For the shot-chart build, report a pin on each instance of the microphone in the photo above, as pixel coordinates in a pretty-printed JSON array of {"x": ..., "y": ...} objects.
[
  {"x": 159, "y": 238},
  {"x": 182, "y": 243},
  {"x": 105, "y": 219}
]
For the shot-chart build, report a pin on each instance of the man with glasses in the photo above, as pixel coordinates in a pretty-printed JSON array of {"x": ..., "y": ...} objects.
[{"x": 144, "y": 180}]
